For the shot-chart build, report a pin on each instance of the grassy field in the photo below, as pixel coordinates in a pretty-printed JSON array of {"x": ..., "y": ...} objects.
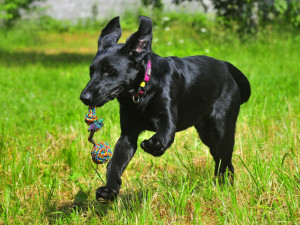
[{"x": 47, "y": 176}]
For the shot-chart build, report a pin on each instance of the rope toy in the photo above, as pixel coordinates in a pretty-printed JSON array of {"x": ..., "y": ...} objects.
[{"x": 101, "y": 152}]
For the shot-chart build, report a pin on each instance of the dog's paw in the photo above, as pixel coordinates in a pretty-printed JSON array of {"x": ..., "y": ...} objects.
[
  {"x": 153, "y": 146},
  {"x": 106, "y": 194}
]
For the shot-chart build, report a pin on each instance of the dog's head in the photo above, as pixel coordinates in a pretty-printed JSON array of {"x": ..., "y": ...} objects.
[{"x": 117, "y": 69}]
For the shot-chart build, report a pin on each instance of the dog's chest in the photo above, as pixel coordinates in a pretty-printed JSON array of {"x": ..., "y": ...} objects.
[{"x": 149, "y": 118}]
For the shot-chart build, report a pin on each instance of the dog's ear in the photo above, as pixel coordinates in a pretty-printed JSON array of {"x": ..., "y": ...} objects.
[
  {"x": 139, "y": 43},
  {"x": 110, "y": 34}
]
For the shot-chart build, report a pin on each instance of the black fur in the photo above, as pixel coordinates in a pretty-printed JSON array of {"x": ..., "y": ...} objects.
[{"x": 197, "y": 91}]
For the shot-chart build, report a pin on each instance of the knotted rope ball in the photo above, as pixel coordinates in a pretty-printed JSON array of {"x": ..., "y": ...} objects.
[{"x": 101, "y": 152}]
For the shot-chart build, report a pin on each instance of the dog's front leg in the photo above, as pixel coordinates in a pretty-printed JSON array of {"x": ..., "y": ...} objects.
[
  {"x": 164, "y": 137},
  {"x": 123, "y": 152}
]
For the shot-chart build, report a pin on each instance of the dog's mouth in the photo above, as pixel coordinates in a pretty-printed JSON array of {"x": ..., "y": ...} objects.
[{"x": 114, "y": 93}]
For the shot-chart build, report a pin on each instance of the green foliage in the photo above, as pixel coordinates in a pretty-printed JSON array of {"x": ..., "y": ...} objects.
[
  {"x": 10, "y": 9},
  {"x": 49, "y": 24},
  {"x": 155, "y": 4},
  {"x": 290, "y": 10},
  {"x": 247, "y": 15}
]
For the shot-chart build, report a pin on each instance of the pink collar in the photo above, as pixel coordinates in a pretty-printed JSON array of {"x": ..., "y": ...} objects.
[{"x": 141, "y": 90}]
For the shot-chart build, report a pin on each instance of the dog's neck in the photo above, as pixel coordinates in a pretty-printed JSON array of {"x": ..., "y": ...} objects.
[
  {"x": 141, "y": 90},
  {"x": 126, "y": 99}
]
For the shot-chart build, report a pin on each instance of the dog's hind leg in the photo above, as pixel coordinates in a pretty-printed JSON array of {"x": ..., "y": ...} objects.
[
  {"x": 207, "y": 136},
  {"x": 217, "y": 132}
]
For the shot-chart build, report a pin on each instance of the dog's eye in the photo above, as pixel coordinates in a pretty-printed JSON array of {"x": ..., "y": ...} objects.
[{"x": 108, "y": 71}]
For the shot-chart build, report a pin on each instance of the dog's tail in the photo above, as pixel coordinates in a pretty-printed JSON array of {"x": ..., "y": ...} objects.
[{"x": 242, "y": 82}]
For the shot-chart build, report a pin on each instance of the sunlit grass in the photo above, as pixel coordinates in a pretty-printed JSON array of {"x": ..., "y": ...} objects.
[{"x": 47, "y": 175}]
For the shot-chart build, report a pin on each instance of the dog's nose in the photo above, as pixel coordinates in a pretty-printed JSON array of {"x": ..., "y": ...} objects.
[{"x": 86, "y": 98}]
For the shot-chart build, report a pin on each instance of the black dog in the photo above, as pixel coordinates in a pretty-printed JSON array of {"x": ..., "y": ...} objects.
[{"x": 174, "y": 94}]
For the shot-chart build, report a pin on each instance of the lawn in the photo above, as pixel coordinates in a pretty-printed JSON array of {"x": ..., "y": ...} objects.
[{"x": 47, "y": 175}]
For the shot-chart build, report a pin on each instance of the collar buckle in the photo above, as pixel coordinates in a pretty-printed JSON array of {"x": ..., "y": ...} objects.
[{"x": 136, "y": 98}]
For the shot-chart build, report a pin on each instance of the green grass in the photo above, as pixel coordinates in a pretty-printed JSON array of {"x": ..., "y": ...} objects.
[{"x": 47, "y": 175}]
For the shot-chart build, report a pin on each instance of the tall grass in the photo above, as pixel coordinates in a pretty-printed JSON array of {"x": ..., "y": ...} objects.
[{"x": 47, "y": 175}]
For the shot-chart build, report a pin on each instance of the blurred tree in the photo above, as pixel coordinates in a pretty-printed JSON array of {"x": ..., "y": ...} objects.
[
  {"x": 291, "y": 11},
  {"x": 248, "y": 14},
  {"x": 154, "y": 9},
  {"x": 155, "y": 4},
  {"x": 10, "y": 9}
]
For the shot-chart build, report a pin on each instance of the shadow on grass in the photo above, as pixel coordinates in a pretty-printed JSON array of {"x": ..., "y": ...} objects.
[
  {"x": 89, "y": 209},
  {"x": 23, "y": 58}
]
